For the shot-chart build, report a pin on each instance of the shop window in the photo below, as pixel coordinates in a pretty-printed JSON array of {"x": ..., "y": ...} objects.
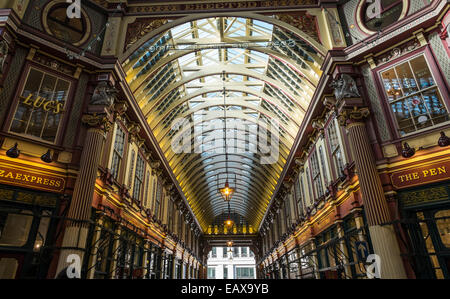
[
  {"x": 40, "y": 106},
  {"x": 104, "y": 250},
  {"x": 15, "y": 228},
  {"x": 413, "y": 96},
  {"x": 118, "y": 151},
  {"x": 42, "y": 230},
  {"x": 443, "y": 226},
  {"x": 8, "y": 268}
]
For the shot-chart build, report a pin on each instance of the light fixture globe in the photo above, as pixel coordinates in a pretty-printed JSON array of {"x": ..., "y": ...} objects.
[
  {"x": 227, "y": 192},
  {"x": 229, "y": 222}
]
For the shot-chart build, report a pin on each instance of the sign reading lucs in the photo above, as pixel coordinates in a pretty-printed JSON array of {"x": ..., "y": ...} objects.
[{"x": 48, "y": 105}]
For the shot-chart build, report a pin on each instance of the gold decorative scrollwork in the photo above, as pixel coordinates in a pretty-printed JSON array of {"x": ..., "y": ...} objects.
[
  {"x": 352, "y": 115},
  {"x": 97, "y": 121}
]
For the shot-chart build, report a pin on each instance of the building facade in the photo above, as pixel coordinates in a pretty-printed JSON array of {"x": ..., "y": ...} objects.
[
  {"x": 91, "y": 185},
  {"x": 231, "y": 263},
  {"x": 370, "y": 171}
]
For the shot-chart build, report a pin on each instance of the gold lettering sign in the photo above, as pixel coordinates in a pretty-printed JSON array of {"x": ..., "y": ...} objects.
[
  {"x": 31, "y": 180},
  {"x": 421, "y": 175},
  {"x": 47, "y": 105},
  {"x": 159, "y": 7}
]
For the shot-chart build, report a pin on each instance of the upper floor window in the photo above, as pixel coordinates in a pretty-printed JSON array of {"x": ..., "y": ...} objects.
[
  {"x": 244, "y": 251},
  {"x": 158, "y": 197},
  {"x": 38, "y": 113},
  {"x": 211, "y": 272},
  {"x": 147, "y": 183},
  {"x": 298, "y": 197},
  {"x": 311, "y": 199},
  {"x": 336, "y": 152},
  {"x": 322, "y": 165},
  {"x": 130, "y": 177},
  {"x": 315, "y": 171},
  {"x": 118, "y": 151},
  {"x": 413, "y": 96},
  {"x": 138, "y": 177},
  {"x": 287, "y": 210},
  {"x": 302, "y": 197}
]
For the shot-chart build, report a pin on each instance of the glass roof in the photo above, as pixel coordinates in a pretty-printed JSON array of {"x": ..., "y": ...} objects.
[{"x": 257, "y": 76}]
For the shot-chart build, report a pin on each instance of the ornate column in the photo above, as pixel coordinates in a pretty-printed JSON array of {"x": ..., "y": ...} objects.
[
  {"x": 98, "y": 120},
  {"x": 352, "y": 114}
]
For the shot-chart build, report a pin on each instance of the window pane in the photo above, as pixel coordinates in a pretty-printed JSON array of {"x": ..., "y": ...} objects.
[
  {"x": 443, "y": 226},
  {"x": 434, "y": 103},
  {"x": 420, "y": 104},
  {"x": 402, "y": 114},
  {"x": 406, "y": 79},
  {"x": 40, "y": 106},
  {"x": 422, "y": 72},
  {"x": 391, "y": 85},
  {"x": 14, "y": 228}
]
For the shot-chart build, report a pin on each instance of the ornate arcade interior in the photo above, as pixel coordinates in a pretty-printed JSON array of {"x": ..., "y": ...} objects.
[{"x": 160, "y": 129}]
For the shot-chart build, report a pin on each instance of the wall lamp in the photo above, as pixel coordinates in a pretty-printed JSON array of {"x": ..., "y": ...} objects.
[
  {"x": 443, "y": 140},
  {"x": 13, "y": 152},
  {"x": 47, "y": 157},
  {"x": 407, "y": 151}
]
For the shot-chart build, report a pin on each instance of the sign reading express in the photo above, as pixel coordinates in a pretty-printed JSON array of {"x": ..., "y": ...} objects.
[
  {"x": 31, "y": 180},
  {"x": 421, "y": 175}
]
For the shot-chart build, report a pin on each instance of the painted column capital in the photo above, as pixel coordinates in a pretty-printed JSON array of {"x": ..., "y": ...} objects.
[
  {"x": 349, "y": 116},
  {"x": 97, "y": 121}
]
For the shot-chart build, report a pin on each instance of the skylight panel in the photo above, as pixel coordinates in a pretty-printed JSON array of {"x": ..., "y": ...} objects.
[{"x": 267, "y": 26}]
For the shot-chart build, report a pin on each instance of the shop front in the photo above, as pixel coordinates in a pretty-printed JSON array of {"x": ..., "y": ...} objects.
[
  {"x": 424, "y": 203},
  {"x": 426, "y": 216},
  {"x": 28, "y": 229},
  {"x": 31, "y": 205}
]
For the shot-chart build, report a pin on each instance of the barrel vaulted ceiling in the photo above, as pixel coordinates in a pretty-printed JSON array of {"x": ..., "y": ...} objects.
[{"x": 268, "y": 74}]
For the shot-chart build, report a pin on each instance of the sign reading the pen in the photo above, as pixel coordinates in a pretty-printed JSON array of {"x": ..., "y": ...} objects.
[{"x": 421, "y": 175}]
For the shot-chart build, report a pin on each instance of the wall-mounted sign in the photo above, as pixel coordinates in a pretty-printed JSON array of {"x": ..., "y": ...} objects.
[
  {"x": 31, "y": 179},
  {"x": 421, "y": 175},
  {"x": 264, "y": 4}
]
